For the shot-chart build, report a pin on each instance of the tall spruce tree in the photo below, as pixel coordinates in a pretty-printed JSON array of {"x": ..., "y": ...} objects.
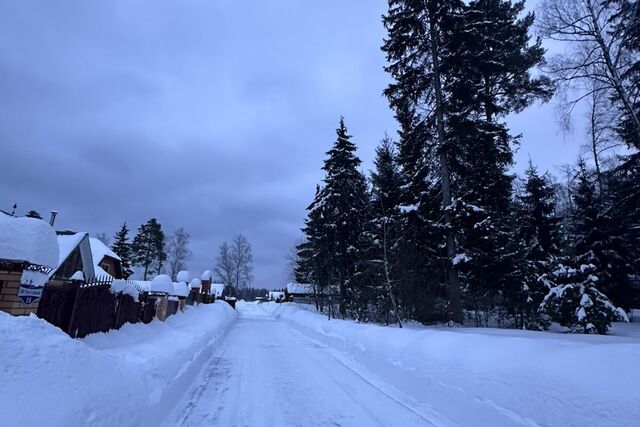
[
  {"x": 122, "y": 247},
  {"x": 598, "y": 241},
  {"x": 463, "y": 67},
  {"x": 335, "y": 220},
  {"x": 148, "y": 247},
  {"x": 377, "y": 269}
]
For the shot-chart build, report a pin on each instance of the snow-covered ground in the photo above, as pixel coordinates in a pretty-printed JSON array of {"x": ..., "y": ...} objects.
[
  {"x": 283, "y": 365},
  {"x": 130, "y": 377}
]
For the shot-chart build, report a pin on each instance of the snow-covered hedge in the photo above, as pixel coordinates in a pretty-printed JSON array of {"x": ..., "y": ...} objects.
[
  {"x": 130, "y": 377},
  {"x": 491, "y": 377}
]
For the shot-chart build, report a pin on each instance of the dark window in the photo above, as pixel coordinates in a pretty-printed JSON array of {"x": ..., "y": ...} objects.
[{"x": 72, "y": 264}]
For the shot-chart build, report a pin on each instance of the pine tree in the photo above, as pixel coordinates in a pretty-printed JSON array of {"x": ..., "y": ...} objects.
[
  {"x": 148, "y": 247},
  {"x": 537, "y": 235},
  {"x": 379, "y": 241},
  {"x": 122, "y": 248},
  {"x": 598, "y": 241},
  {"x": 33, "y": 214},
  {"x": 575, "y": 302},
  {"x": 335, "y": 220}
]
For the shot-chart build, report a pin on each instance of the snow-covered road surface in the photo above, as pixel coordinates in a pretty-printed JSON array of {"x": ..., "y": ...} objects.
[{"x": 266, "y": 373}]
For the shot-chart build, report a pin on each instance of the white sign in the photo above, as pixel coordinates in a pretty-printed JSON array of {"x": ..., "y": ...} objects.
[{"x": 31, "y": 286}]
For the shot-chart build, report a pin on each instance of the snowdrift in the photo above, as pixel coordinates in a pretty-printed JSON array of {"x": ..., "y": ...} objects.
[
  {"x": 130, "y": 377},
  {"x": 492, "y": 377}
]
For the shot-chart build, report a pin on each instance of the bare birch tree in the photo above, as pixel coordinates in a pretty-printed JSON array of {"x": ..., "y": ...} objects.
[{"x": 178, "y": 252}]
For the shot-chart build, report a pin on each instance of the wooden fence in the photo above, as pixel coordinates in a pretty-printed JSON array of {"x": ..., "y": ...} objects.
[{"x": 83, "y": 308}]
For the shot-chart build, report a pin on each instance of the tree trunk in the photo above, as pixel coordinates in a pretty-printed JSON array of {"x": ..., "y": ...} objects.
[{"x": 455, "y": 306}]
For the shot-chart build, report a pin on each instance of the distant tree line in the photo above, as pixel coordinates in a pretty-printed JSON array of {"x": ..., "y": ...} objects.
[
  {"x": 441, "y": 230},
  {"x": 234, "y": 265}
]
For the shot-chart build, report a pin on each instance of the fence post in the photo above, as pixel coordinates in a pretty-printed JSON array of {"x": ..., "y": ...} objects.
[{"x": 70, "y": 331}]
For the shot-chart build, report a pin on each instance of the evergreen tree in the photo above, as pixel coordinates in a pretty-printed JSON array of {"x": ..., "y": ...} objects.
[
  {"x": 335, "y": 221},
  {"x": 379, "y": 242},
  {"x": 537, "y": 235},
  {"x": 575, "y": 302},
  {"x": 122, "y": 248},
  {"x": 598, "y": 241},
  {"x": 33, "y": 214},
  {"x": 148, "y": 248}
]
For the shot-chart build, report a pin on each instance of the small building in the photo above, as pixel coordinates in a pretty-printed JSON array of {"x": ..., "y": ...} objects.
[
  {"x": 74, "y": 255},
  {"x": 105, "y": 261},
  {"x": 217, "y": 289}
]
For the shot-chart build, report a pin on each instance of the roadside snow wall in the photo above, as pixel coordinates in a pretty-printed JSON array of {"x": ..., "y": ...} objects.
[
  {"x": 130, "y": 377},
  {"x": 491, "y": 377}
]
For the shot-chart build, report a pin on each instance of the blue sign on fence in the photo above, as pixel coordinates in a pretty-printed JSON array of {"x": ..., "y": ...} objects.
[{"x": 31, "y": 286}]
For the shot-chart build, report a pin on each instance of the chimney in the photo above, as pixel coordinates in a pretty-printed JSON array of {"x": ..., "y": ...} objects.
[{"x": 53, "y": 217}]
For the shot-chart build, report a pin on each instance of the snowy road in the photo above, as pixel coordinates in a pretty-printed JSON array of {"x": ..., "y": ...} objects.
[{"x": 268, "y": 374}]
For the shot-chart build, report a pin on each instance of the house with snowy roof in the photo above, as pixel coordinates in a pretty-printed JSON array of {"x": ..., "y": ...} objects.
[
  {"x": 74, "y": 255},
  {"x": 105, "y": 261}
]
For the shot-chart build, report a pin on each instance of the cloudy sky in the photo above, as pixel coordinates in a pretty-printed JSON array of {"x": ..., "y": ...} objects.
[{"x": 209, "y": 115}]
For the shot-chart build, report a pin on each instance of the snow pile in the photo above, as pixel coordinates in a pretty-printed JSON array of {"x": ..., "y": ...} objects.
[
  {"x": 195, "y": 283},
  {"x": 491, "y": 377},
  {"x": 183, "y": 276},
  {"x": 78, "y": 276},
  {"x": 28, "y": 239},
  {"x": 130, "y": 377},
  {"x": 161, "y": 283},
  {"x": 180, "y": 289},
  {"x": 206, "y": 275}
]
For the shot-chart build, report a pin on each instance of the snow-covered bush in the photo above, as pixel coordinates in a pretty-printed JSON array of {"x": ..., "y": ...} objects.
[{"x": 575, "y": 302}]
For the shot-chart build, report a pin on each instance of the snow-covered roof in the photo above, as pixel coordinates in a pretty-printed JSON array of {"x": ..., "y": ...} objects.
[
  {"x": 67, "y": 242},
  {"x": 99, "y": 250},
  {"x": 181, "y": 289},
  {"x": 206, "y": 275},
  {"x": 299, "y": 288},
  {"x": 161, "y": 283},
  {"x": 217, "y": 289},
  {"x": 183, "y": 276},
  {"x": 195, "y": 283},
  {"x": 28, "y": 239}
]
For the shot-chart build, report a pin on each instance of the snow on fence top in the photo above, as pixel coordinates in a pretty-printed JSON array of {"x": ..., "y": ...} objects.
[
  {"x": 161, "y": 283},
  {"x": 206, "y": 275},
  {"x": 195, "y": 283},
  {"x": 28, "y": 239},
  {"x": 181, "y": 289},
  {"x": 183, "y": 276},
  {"x": 125, "y": 287}
]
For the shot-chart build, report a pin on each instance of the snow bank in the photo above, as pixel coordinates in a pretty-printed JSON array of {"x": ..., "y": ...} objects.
[
  {"x": 130, "y": 377},
  {"x": 28, "y": 239},
  {"x": 492, "y": 377}
]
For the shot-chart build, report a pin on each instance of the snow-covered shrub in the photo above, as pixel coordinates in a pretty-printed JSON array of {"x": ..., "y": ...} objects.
[{"x": 575, "y": 302}]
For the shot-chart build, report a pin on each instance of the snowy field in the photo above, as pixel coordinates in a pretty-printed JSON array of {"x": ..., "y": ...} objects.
[
  {"x": 130, "y": 377},
  {"x": 282, "y": 365}
]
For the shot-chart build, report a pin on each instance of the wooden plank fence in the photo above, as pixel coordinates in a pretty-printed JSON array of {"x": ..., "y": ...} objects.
[{"x": 83, "y": 308}]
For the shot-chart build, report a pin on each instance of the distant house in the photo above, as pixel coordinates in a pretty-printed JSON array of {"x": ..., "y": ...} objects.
[
  {"x": 276, "y": 296},
  {"x": 75, "y": 255},
  {"x": 105, "y": 261}
]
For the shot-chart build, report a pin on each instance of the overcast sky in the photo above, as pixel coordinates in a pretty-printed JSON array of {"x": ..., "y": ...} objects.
[{"x": 209, "y": 115}]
